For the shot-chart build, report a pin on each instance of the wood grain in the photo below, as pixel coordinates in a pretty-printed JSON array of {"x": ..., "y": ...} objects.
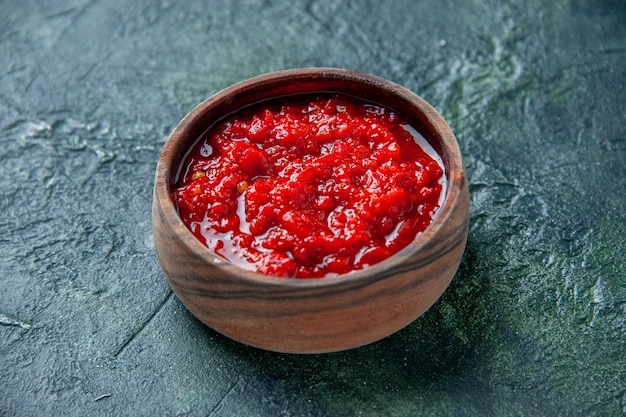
[{"x": 311, "y": 315}]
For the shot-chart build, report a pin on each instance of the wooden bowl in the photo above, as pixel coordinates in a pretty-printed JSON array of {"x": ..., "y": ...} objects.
[{"x": 311, "y": 315}]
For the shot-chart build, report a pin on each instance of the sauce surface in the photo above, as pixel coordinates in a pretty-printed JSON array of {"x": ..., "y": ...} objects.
[{"x": 309, "y": 186}]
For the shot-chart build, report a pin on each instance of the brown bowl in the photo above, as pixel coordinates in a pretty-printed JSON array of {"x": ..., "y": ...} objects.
[{"x": 311, "y": 315}]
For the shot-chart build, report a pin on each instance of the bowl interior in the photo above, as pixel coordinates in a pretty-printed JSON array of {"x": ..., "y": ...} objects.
[{"x": 372, "y": 89}]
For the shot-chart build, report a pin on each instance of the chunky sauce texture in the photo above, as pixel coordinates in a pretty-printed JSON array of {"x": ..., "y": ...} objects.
[{"x": 310, "y": 186}]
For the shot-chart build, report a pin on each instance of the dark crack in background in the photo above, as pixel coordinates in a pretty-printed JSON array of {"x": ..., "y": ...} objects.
[{"x": 534, "y": 322}]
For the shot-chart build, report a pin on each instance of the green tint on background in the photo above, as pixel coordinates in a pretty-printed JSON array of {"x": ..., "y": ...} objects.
[{"x": 534, "y": 323}]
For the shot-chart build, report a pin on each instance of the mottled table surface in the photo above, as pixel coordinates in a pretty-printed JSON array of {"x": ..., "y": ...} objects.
[{"x": 533, "y": 324}]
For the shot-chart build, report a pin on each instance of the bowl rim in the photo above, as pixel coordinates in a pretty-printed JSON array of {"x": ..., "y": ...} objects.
[{"x": 449, "y": 147}]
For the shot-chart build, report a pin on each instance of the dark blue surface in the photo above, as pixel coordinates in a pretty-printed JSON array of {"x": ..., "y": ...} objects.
[{"x": 534, "y": 322}]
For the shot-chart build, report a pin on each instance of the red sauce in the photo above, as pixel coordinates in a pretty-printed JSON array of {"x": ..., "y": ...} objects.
[{"x": 310, "y": 186}]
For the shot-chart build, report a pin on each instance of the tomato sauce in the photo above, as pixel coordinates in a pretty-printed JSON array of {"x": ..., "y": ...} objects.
[{"x": 309, "y": 186}]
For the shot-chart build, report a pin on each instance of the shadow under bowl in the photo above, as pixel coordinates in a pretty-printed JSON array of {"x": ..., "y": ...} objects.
[{"x": 311, "y": 315}]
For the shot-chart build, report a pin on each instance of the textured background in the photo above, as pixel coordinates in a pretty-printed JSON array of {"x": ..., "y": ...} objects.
[{"x": 535, "y": 321}]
